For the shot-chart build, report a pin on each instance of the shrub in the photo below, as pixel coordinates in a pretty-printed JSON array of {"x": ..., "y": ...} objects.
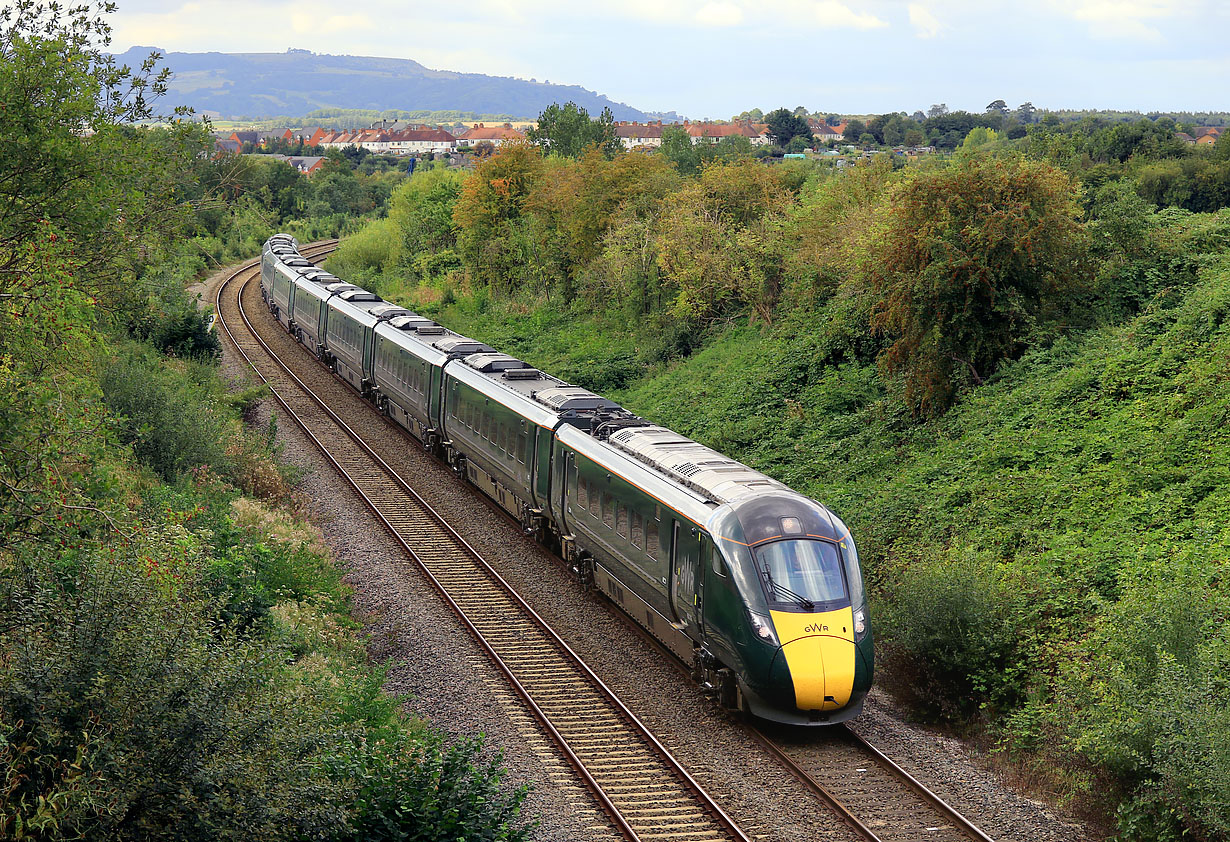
[
  {"x": 169, "y": 415},
  {"x": 952, "y": 640}
]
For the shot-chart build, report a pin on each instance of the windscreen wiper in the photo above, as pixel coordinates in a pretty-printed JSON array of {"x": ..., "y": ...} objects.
[{"x": 803, "y": 601}]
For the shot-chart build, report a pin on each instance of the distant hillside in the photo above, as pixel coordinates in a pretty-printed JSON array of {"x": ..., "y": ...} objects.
[{"x": 255, "y": 85}]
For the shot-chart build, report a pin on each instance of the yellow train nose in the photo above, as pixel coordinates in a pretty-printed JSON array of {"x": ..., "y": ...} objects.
[{"x": 820, "y": 654}]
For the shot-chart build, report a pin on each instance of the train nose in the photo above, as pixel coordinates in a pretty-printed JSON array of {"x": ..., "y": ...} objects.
[{"x": 818, "y": 658}]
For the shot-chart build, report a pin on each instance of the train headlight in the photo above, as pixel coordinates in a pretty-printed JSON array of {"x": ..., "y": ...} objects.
[
  {"x": 860, "y": 623},
  {"x": 763, "y": 627}
]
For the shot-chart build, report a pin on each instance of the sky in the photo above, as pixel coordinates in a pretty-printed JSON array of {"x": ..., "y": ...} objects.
[{"x": 717, "y": 58}]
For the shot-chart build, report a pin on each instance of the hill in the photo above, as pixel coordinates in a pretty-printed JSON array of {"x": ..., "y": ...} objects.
[{"x": 256, "y": 85}]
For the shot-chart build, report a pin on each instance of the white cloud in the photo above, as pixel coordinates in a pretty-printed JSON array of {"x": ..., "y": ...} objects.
[
  {"x": 926, "y": 25},
  {"x": 831, "y": 14},
  {"x": 719, "y": 14},
  {"x": 1123, "y": 18}
]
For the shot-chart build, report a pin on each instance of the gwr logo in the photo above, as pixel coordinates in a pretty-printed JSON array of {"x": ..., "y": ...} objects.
[{"x": 815, "y": 628}]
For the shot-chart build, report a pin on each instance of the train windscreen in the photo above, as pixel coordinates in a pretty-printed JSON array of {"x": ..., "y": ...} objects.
[{"x": 801, "y": 571}]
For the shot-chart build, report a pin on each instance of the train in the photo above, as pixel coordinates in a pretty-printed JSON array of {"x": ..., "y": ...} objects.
[{"x": 756, "y": 587}]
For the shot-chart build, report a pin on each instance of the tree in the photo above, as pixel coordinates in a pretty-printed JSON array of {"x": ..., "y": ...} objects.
[
  {"x": 678, "y": 148},
  {"x": 785, "y": 126},
  {"x": 569, "y": 131},
  {"x": 854, "y": 130},
  {"x": 937, "y": 110},
  {"x": 1025, "y": 112},
  {"x": 964, "y": 260},
  {"x": 998, "y": 107}
]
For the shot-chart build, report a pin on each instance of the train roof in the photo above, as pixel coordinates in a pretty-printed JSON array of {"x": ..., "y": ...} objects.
[
  {"x": 702, "y": 469},
  {"x": 662, "y": 487},
  {"x": 571, "y": 404}
]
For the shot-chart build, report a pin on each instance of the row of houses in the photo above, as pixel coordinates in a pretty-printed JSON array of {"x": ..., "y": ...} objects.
[
  {"x": 394, "y": 139},
  {"x": 649, "y": 135},
  {"x": 405, "y": 139}
]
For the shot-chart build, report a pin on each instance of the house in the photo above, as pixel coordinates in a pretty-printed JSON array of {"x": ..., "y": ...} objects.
[
  {"x": 309, "y": 135},
  {"x": 825, "y": 132},
  {"x": 1185, "y": 137},
  {"x": 714, "y": 132},
  {"x": 420, "y": 141},
  {"x": 1207, "y": 135},
  {"x": 495, "y": 135},
  {"x": 304, "y": 164},
  {"x": 221, "y": 146},
  {"x": 251, "y": 137},
  {"x": 634, "y": 135}
]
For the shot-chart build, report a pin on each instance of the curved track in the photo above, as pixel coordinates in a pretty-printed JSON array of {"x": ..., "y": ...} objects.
[
  {"x": 644, "y": 790},
  {"x": 647, "y": 794}
]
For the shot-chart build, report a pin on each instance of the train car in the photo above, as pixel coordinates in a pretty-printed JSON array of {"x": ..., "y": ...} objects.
[
  {"x": 284, "y": 277},
  {"x": 500, "y": 418},
  {"x": 408, "y": 372},
  {"x": 310, "y": 311},
  {"x": 756, "y": 586},
  {"x": 348, "y": 335}
]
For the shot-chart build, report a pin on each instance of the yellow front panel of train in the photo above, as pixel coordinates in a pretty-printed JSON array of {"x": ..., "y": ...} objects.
[{"x": 819, "y": 650}]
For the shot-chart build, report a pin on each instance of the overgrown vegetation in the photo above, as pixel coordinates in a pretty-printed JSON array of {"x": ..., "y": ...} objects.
[
  {"x": 1005, "y": 369},
  {"x": 177, "y": 659}
]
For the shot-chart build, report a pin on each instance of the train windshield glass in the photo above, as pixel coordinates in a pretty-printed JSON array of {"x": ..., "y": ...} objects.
[{"x": 801, "y": 571}]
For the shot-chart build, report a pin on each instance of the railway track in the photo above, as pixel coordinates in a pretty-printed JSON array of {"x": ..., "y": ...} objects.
[
  {"x": 876, "y": 797},
  {"x": 645, "y": 791}
]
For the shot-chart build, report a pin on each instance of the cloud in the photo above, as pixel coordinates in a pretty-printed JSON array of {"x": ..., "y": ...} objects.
[
  {"x": 833, "y": 15},
  {"x": 926, "y": 25},
  {"x": 1123, "y": 18},
  {"x": 719, "y": 14}
]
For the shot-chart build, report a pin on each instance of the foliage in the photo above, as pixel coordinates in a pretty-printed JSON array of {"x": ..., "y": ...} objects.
[
  {"x": 719, "y": 241},
  {"x": 785, "y": 126},
  {"x": 569, "y": 131},
  {"x": 953, "y": 649},
  {"x": 963, "y": 262}
]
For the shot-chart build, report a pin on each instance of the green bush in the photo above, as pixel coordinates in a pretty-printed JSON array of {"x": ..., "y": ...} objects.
[
  {"x": 170, "y": 416},
  {"x": 149, "y": 720},
  {"x": 952, "y": 640},
  {"x": 427, "y": 790}
]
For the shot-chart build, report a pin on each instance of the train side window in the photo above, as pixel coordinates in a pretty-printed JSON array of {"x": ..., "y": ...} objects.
[
  {"x": 524, "y": 451},
  {"x": 638, "y": 529},
  {"x": 707, "y": 551},
  {"x": 621, "y": 520},
  {"x": 608, "y": 510},
  {"x": 511, "y": 453},
  {"x": 652, "y": 543}
]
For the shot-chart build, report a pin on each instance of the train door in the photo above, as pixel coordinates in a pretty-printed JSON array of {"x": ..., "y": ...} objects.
[{"x": 685, "y": 583}]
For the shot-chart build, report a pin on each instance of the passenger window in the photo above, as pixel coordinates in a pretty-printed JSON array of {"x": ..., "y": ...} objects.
[
  {"x": 582, "y": 491},
  {"x": 524, "y": 449},
  {"x": 638, "y": 529},
  {"x": 608, "y": 510},
  {"x": 621, "y": 520},
  {"x": 651, "y": 540}
]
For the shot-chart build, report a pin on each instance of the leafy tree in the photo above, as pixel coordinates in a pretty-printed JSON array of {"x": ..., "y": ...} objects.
[
  {"x": 489, "y": 210},
  {"x": 720, "y": 241},
  {"x": 854, "y": 130},
  {"x": 938, "y": 110},
  {"x": 569, "y": 131},
  {"x": 678, "y": 148},
  {"x": 964, "y": 260},
  {"x": 1025, "y": 112},
  {"x": 998, "y": 107},
  {"x": 785, "y": 126},
  {"x": 797, "y": 144}
]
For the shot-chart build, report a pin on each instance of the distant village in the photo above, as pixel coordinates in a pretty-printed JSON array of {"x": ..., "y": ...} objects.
[{"x": 405, "y": 139}]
